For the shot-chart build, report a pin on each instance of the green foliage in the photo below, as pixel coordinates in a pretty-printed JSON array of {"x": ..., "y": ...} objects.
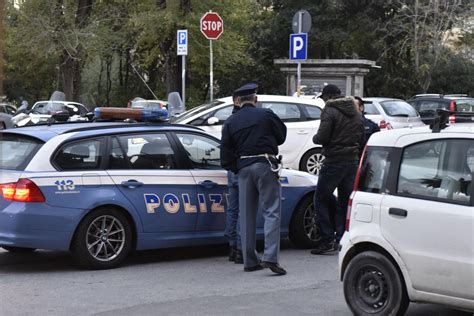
[{"x": 121, "y": 36}]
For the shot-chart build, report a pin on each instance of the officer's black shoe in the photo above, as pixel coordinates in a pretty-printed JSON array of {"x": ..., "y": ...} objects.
[
  {"x": 275, "y": 267},
  {"x": 232, "y": 253},
  {"x": 238, "y": 256},
  {"x": 254, "y": 268}
]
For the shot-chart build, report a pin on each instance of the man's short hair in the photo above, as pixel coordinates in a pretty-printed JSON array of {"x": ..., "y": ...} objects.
[{"x": 248, "y": 97}]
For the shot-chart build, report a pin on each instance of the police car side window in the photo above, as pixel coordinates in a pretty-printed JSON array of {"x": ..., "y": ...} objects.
[
  {"x": 203, "y": 152},
  {"x": 287, "y": 112},
  {"x": 224, "y": 113},
  {"x": 148, "y": 151},
  {"x": 439, "y": 169},
  {"x": 82, "y": 155}
]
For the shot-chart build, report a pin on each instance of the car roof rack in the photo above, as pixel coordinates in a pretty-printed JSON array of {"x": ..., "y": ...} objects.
[
  {"x": 429, "y": 95},
  {"x": 442, "y": 119},
  {"x": 456, "y": 95}
]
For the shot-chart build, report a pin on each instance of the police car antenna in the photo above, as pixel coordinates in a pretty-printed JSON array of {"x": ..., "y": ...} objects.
[{"x": 142, "y": 79}]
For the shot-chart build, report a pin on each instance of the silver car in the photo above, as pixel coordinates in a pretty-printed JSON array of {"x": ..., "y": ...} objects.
[{"x": 391, "y": 113}]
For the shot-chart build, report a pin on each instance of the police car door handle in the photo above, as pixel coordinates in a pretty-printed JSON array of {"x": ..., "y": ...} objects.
[
  {"x": 208, "y": 184},
  {"x": 397, "y": 212},
  {"x": 132, "y": 184}
]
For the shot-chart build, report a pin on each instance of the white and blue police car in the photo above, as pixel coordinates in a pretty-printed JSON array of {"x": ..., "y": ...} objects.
[{"x": 101, "y": 190}]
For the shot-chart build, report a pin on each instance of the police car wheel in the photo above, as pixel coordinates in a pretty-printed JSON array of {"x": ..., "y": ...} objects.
[
  {"x": 102, "y": 240},
  {"x": 18, "y": 249},
  {"x": 312, "y": 161},
  {"x": 373, "y": 286},
  {"x": 304, "y": 232}
]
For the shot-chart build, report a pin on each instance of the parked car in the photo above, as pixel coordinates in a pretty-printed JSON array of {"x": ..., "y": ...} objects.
[
  {"x": 391, "y": 113},
  {"x": 410, "y": 222},
  {"x": 428, "y": 104},
  {"x": 101, "y": 190},
  {"x": 139, "y": 103},
  {"x": 43, "y": 110},
  {"x": 300, "y": 115},
  {"x": 7, "y": 108},
  {"x": 5, "y": 121}
]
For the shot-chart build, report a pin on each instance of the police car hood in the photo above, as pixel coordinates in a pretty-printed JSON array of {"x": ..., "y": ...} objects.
[{"x": 294, "y": 178}]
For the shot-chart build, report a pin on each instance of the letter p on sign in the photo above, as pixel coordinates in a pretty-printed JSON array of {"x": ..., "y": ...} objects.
[{"x": 298, "y": 46}]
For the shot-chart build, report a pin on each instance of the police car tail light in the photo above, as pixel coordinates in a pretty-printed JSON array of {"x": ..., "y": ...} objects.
[
  {"x": 24, "y": 190},
  {"x": 452, "y": 119}
]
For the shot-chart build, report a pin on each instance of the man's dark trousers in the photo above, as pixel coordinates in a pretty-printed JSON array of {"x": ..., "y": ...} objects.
[
  {"x": 259, "y": 186},
  {"x": 339, "y": 175}
]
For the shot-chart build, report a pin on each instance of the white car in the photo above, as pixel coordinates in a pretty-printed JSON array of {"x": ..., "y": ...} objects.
[
  {"x": 139, "y": 103},
  {"x": 410, "y": 222},
  {"x": 391, "y": 113},
  {"x": 300, "y": 115},
  {"x": 42, "y": 111}
]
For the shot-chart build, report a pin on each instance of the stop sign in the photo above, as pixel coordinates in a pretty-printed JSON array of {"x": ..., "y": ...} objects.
[{"x": 212, "y": 25}]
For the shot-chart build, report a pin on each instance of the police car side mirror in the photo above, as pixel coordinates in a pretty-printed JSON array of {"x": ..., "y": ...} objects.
[{"x": 212, "y": 120}]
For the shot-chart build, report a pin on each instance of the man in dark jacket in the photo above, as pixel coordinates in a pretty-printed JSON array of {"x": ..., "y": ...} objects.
[
  {"x": 341, "y": 133},
  {"x": 249, "y": 145}
]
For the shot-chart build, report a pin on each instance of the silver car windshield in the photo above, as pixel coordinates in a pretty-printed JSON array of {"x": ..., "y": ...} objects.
[{"x": 398, "y": 108}]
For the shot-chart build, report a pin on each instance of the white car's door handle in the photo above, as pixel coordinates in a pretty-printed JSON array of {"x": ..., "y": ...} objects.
[{"x": 302, "y": 132}]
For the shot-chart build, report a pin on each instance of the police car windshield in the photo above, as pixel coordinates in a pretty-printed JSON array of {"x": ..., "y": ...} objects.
[
  {"x": 194, "y": 111},
  {"x": 16, "y": 151}
]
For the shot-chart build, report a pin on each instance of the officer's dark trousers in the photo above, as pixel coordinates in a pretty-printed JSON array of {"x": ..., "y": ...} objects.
[
  {"x": 258, "y": 185},
  {"x": 232, "y": 229},
  {"x": 335, "y": 175}
]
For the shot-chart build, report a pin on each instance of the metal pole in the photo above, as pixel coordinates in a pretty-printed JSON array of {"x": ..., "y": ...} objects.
[
  {"x": 211, "y": 72},
  {"x": 298, "y": 85},
  {"x": 183, "y": 77}
]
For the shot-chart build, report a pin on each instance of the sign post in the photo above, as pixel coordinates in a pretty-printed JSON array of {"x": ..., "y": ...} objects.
[
  {"x": 182, "y": 50},
  {"x": 301, "y": 25},
  {"x": 212, "y": 26}
]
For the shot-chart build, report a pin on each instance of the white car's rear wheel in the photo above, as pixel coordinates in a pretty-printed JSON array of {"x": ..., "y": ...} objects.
[{"x": 312, "y": 161}]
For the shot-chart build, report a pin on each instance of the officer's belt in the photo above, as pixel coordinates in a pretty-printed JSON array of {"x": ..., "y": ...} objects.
[{"x": 260, "y": 155}]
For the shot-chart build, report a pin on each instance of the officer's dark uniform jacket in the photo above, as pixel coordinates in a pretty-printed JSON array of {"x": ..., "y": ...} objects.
[
  {"x": 370, "y": 127},
  {"x": 250, "y": 131},
  {"x": 341, "y": 131}
]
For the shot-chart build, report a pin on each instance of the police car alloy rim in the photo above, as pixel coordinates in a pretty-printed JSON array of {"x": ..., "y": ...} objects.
[
  {"x": 371, "y": 289},
  {"x": 314, "y": 163},
  {"x": 105, "y": 238},
  {"x": 310, "y": 227}
]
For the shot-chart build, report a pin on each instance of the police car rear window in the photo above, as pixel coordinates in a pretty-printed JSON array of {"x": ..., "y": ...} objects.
[{"x": 16, "y": 151}]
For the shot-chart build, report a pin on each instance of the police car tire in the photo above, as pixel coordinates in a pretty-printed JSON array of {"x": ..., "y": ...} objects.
[
  {"x": 18, "y": 249},
  {"x": 373, "y": 269},
  {"x": 297, "y": 233},
  {"x": 79, "y": 244}
]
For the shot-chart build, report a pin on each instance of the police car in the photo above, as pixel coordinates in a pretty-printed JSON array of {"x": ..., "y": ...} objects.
[
  {"x": 102, "y": 190},
  {"x": 410, "y": 221}
]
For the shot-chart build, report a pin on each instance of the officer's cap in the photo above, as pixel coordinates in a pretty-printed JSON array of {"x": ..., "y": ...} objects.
[{"x": 247, "y": 89}]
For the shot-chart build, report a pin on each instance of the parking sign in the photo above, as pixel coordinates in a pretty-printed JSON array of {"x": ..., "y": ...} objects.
[
  {"x": 298, "y": 46},
  {"x": 182, "y": 45}
]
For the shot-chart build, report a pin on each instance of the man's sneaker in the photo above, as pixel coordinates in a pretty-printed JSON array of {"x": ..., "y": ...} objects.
[
  {"x": 275, "y": 267},
  {"x": 324, "y": 248},
  {"x": 238, "y": 256}
]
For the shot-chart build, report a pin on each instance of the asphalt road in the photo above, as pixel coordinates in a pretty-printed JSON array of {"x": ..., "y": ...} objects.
[{"x": 186, "y": 281}]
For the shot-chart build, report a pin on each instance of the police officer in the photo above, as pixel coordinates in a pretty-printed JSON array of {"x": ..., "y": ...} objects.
[
  {"x": 250, "y": 140},
  {"x": 232, "y": 229},
  {"x": 370, "y": 127}
]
